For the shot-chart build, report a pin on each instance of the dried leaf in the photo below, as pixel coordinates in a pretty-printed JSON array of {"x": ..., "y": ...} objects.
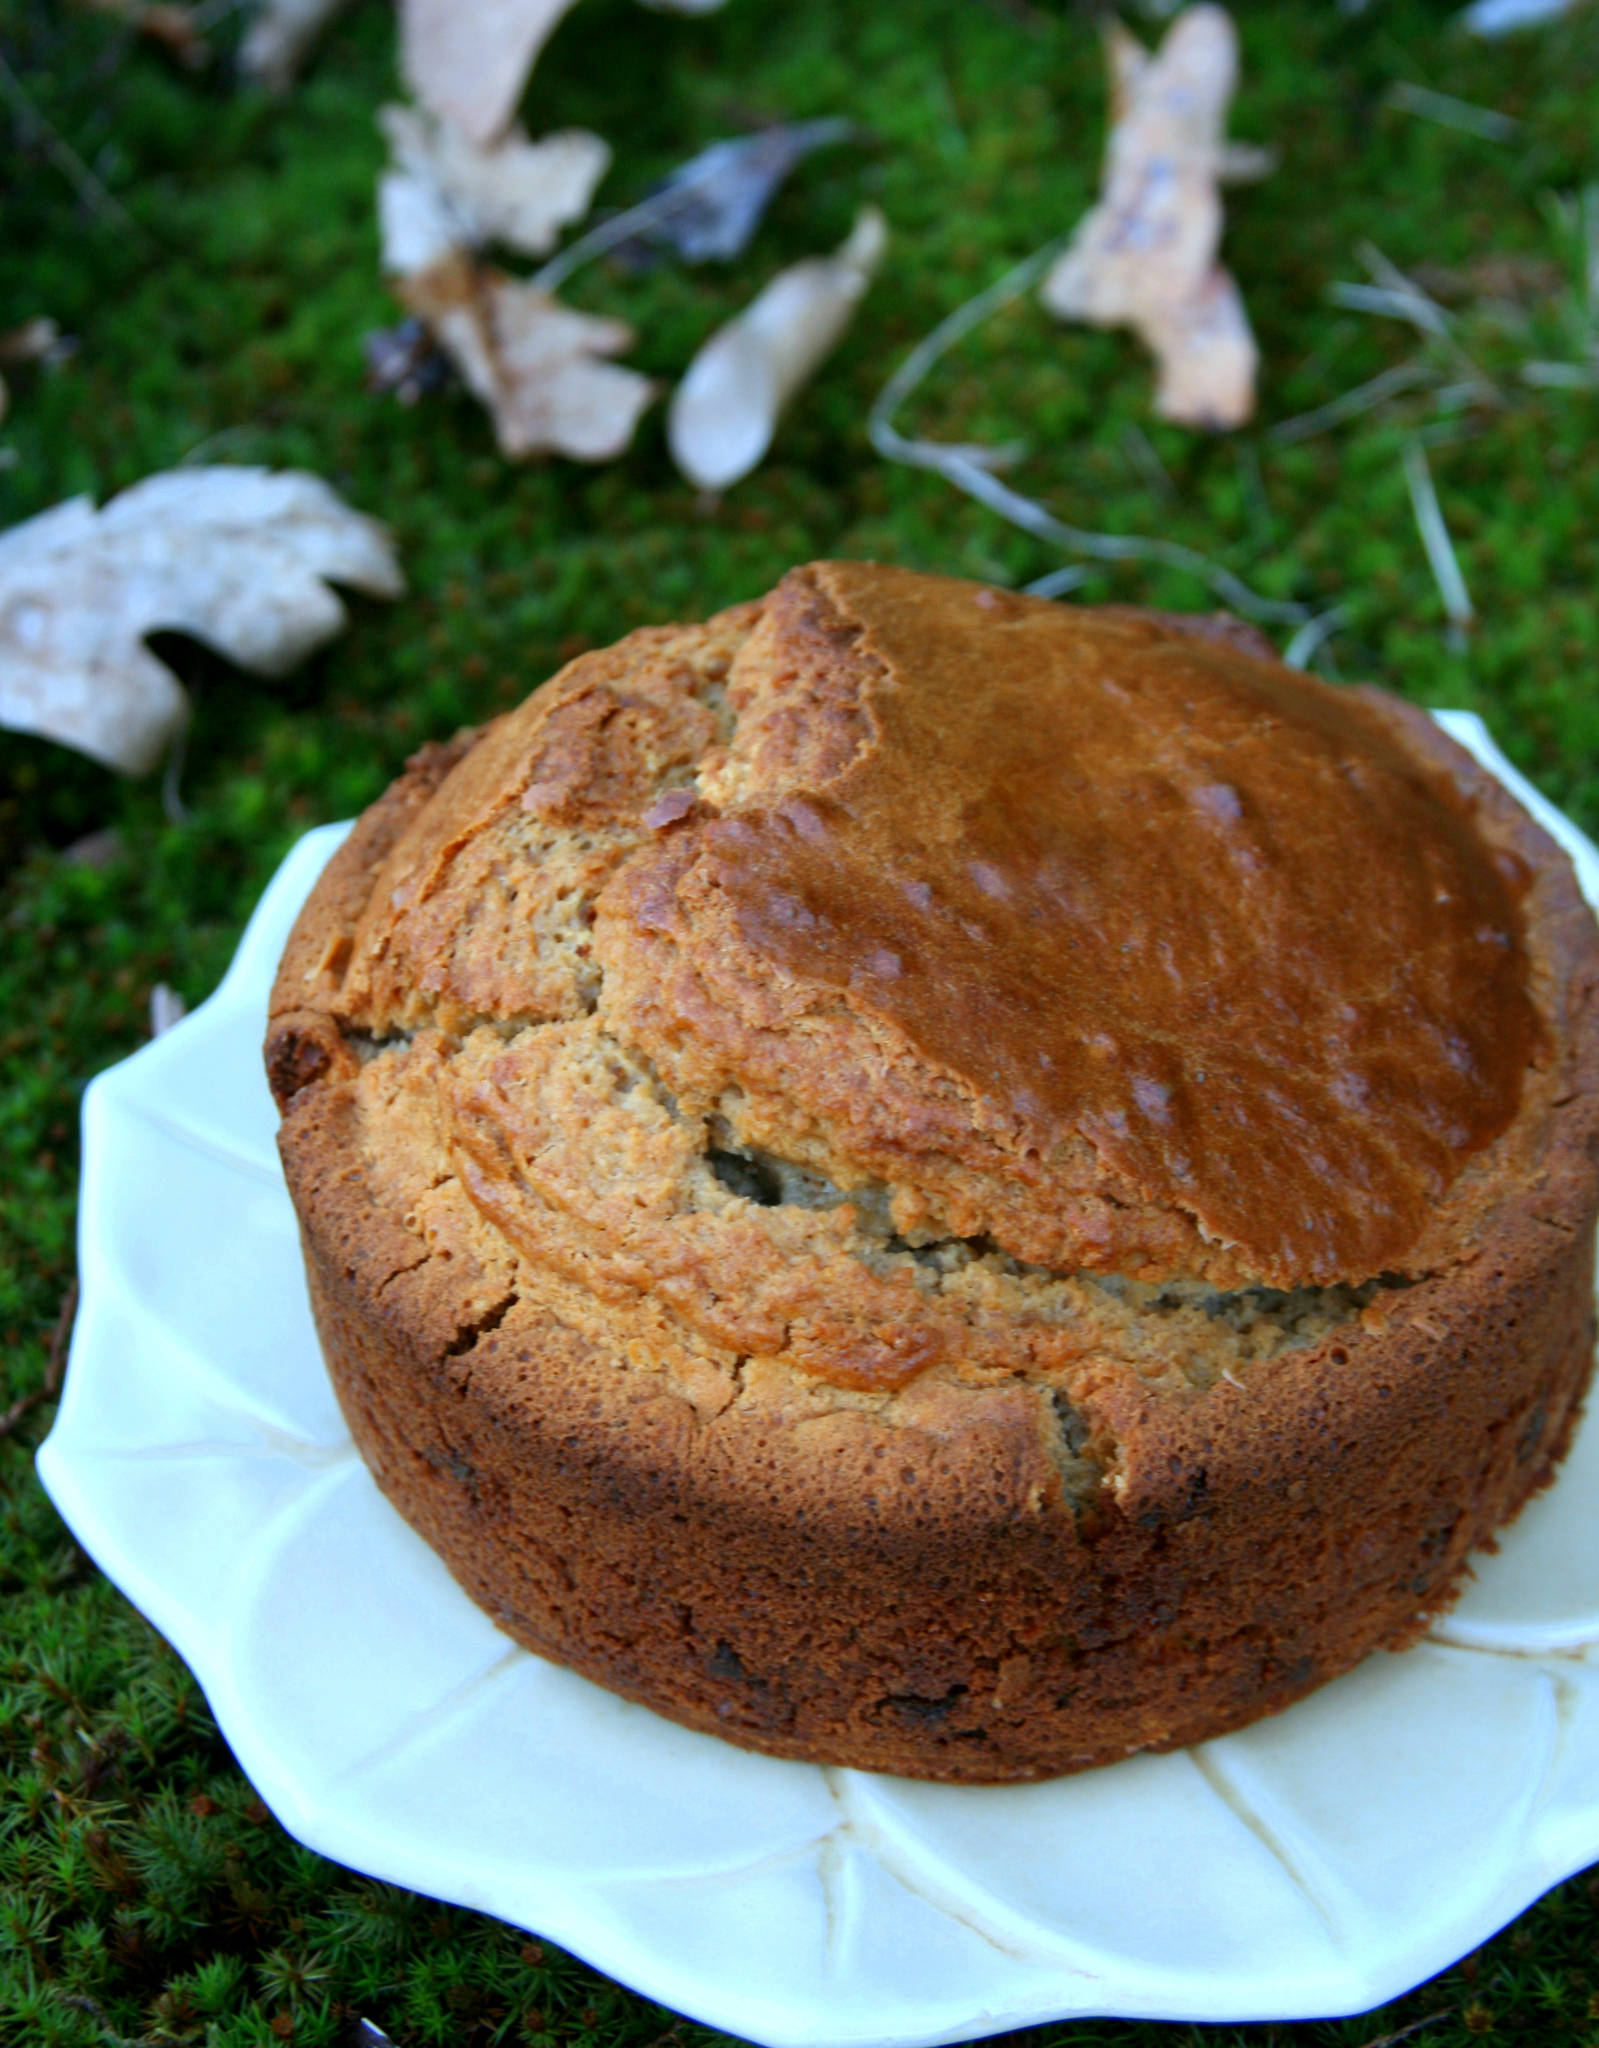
[
  {"x": 416, "y": 225},
  {"x": 405, "y": 360},
  {"x": 468, "y": 60},
  {"x": 726, "y": 409},
  {"x": 178, "y": 32},
  {"x": 1207, "y": 355},
  {"x": 175, "y": 28},
  {"x": 238, "y": 558},
  {"x": 708, "y": 209},
  {"x": 34, "y": 341},
  {"x": 444, "y": 192},
  {"x": 1145, "y": 256},
  {"x": 536, "y": 364},
  {"x": 1500, "y": 17},
  {"x": 95, "y": 849},
  {"x": 281, "y": 37}
]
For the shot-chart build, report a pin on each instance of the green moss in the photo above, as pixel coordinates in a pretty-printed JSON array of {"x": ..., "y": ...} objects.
[{"x": 144, "y": 1892}]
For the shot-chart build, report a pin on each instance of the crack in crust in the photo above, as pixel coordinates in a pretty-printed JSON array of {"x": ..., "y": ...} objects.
[{"x": 472, "y": 955}]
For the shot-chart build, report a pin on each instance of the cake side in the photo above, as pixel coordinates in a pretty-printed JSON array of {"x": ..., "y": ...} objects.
[
  {"x": 918, "y": 1587},
  {"x": 691, "y": 1393}
]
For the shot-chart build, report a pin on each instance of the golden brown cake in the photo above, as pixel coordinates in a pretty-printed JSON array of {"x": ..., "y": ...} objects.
[{"x": 936, "y": 1181}]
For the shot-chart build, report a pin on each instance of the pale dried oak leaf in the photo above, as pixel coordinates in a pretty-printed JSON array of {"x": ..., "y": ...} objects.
[
  {"x": 238, "y": 558},
  {"x": 535, "y": 364},
  {"x": 1146, "y": 256},
  {"x": 443, "y": 192},
  {"x": 468, "y": 60}
]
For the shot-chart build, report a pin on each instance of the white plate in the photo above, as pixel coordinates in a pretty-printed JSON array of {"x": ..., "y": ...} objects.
[{"x": 1319, "y": 1863}]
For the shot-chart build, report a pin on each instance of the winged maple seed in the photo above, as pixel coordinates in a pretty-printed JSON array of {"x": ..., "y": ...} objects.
[
  {"x": 708, "y": 209},
  {"x": 537, "y": 365},
  {"x": 1145, "y": 256},
  {"x": 239, "y": 558},
  {"x": 726, "y": 409}
]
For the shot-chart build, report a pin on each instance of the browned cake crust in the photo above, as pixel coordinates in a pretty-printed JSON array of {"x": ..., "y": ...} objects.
[{"x": 934, "y": 1181}]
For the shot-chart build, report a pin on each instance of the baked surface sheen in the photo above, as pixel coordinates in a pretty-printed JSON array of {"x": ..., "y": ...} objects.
[{"x": 942, "y": 1182}]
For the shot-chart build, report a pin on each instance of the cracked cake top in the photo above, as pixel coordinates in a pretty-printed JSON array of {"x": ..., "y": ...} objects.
[{"x": 897, "y": 959}]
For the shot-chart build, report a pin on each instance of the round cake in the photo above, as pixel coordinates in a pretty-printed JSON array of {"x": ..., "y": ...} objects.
[{"x": 935, "y": 1181}]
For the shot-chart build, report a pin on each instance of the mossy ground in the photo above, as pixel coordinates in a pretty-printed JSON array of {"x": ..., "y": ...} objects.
[{"x": 147, "y": 1895}]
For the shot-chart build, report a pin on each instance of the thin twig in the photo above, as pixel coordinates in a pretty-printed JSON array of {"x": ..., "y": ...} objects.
[
  {"x": 1574, "y": 216},
  {"x": 1058, "y": 581},
  {"x": 66, "y": 159},
  {"x": 1392, "y": 278},
  {"x": 956, "y": 326},
  {"x": 1363, "y": 398},
  {"x": 1378, "y": 298},
  {"x": 172, "y": 804},
  {"x": 619, "y": 228},
  {"x": 1400, "y": 296},
  {"x": 1444, "y": 108},
  {"x": 1560, "y": 376},
  {"x": 1405, "y": 2033},
  {"x": 968, "y": 471},
  {"x": 1441, "y": 557},
  {"x": 55, "y": 1365},
  {"x": 224, "y": 438},
  {"x": 1253, "y": 484},
  {"x": 657, "y": 207},
  {"x": 1145, "y": 458},
  {"x": 1451, "y": 397},
  {"x": 1448, "y": 432},
  {"x": 80, "y": 2001},
  {"x": 1312, "y": 635}
]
